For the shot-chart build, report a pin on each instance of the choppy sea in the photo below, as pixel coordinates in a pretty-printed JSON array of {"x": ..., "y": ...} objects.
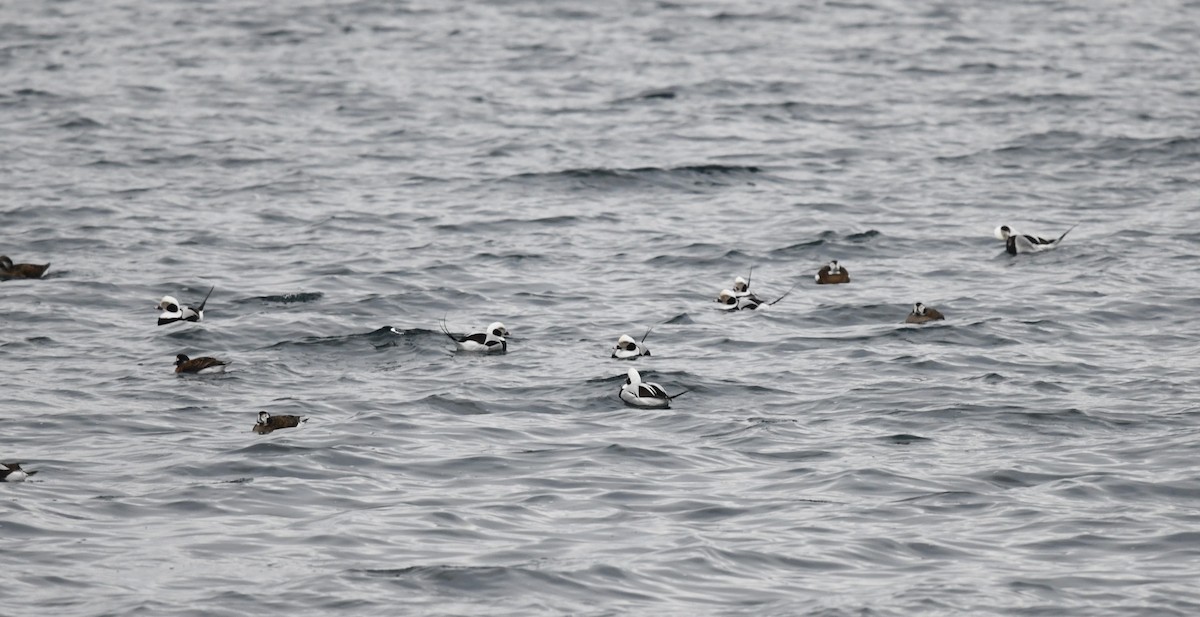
[{"x": 350, "y": 174}]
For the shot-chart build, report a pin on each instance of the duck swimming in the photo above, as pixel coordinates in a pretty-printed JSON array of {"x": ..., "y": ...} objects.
[
  {"x": 489, "y": 341},
  {"x": 1016, "y": 243},
  {"x": 832, "y": 274},
  {"x": 12, "y": 472},
  {"x": 627, "y": 348},
  {"x": 173, "y": 311},
  {"x": 267, "y": 422},
  {"x": 637, "y": 393},
  {"x": 922, "y": 314},
  {"x": 9, "y": 270},
  {"x": 184, "y": 364}
]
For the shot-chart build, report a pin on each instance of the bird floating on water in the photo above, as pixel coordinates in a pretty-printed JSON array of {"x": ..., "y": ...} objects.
[
  {"x": 9, "y": 270},
  {"x": 832, "y": 274},
  {"x": 627, "y": 348},
  {"x": 489, "y": 341},
  {"x": 173, "y": 311},
  {"x": 922, "y": 314},
  {"x": 637, "y": 393},
  {"x": 12, "y": 472},
  {"x": 1017, "y": 243},
  {"x": 184, "y": 364},
  {"x": 267, "y": 422}
]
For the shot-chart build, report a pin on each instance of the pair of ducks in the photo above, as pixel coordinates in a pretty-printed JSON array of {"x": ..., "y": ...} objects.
[{"x": 740, "y": 298}]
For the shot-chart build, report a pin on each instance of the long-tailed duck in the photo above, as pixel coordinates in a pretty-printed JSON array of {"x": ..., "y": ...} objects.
[
  {"x": 729, "y": 300},
  {"x": 1016, "y": 243},
  {"x": 489, "y": 341},
  {"x": 12, "y": 472},
  {"x": 741, "y": 287},
  {"x": 627, "y": 348},
  {"x": 832, "y": 274},
  {"x": 9, "y": 270},
  {"x": 184, "y": 364},
  {"x": 173, "y": 311},
  {"x": 637, "y": 393},
  {"x": 267, "y": 422},
  {"x": 922, "y": 314}
]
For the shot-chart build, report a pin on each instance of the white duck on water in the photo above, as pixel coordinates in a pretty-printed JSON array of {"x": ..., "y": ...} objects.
[{"x": 638, "y": 393}]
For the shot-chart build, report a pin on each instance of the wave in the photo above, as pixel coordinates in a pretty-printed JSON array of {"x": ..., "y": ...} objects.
[{"x": 685, "y": 177}]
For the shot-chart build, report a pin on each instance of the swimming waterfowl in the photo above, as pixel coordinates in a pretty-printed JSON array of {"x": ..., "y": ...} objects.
[
  {"x": 184, "y": 364},
  {"x": 832, "y": 274},
  {"x": 627, "y": 348},
  {"x": 637, "y": 393},
  {"x": 12, "y": 472},
  {"x": 173, "y": 311},
  {"x": 267, "y": 422},
  {"x": 489, "y": 341},
  {"x": 1016, "y": 243},
  {"x": 741, "y": 287},
  {"x": 9, "y": 270},
  {"x": 922, "y": 314},
  {"x": 729, "y": 300}
]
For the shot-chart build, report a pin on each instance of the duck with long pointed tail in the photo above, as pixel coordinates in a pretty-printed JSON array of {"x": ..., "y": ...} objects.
[
  {"x": 489, "y": 341},
  {"x": 1017, "y": 243},
  {"x": 12, "y": 472},
  {"x": 729, "y": 300},
  {"x": 628, "y": 349},
  {"x": 741, "y": 287},
  {"x": 173, "y": 311},
  {"x": 638, "y": 393}
]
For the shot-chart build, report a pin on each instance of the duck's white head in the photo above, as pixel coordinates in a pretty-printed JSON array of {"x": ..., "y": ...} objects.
[
  {"x": 834, "y": 268},
  {"x": 1003, "y": 232},
  {"x": 497, "y": 329},
  {"x": 169, "y": 304},
  {"x": 633, "y": 378},
  {"x": 727, "y": 298},
  {"x": 918, "y": 309},
  {"x": 740, "y": 284},
  {"x": 626, "y": 342},
  {"x": 263, "y": 417}
]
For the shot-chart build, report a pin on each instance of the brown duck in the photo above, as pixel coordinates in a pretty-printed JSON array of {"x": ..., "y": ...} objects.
[
  {"x": 922, "y": 314},
  {"x": 267, "y": 422},
  {"x": 9, "y": 270},
  {"x": 832, "y": 274},
  {"x": 184, "y": 364}
]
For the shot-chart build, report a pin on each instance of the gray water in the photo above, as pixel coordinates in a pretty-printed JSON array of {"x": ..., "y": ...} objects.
[{"x": 349, "y": 174}]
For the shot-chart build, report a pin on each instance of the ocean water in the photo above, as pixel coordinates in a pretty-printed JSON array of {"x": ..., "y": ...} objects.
[{"x": 350, "y": 175}]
